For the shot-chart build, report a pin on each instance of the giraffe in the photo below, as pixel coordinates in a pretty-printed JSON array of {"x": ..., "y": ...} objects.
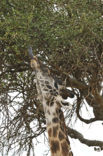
[{"x": 49, "y": 94}]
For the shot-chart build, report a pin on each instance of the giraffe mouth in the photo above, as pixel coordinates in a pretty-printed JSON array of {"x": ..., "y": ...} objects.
[{"x": 30, "y": 52}]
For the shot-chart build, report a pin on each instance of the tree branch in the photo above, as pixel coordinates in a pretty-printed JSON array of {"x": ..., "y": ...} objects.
[
  {"x": 92, "y": 97},
  {"x": 76, "y": 135},
  {"x": 87, "y": 121}
]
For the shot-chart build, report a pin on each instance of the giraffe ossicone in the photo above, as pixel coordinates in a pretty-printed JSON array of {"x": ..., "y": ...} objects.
[{"x": 49, "y": 95}]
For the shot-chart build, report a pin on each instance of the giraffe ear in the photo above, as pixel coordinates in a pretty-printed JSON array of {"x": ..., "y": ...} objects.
[{"x": 57, "y": 83}]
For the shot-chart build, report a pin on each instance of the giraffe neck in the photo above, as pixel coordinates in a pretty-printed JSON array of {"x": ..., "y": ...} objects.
[{"x": 56, "y": 128}]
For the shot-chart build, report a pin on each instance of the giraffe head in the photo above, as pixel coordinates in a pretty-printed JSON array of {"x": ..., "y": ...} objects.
[
  {"x": 35, "y": 63},
  {"x": 38, "y": 66}
]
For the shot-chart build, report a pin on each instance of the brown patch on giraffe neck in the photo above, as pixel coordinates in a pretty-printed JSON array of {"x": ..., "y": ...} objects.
[
  {"x": 55, "y": 131},
  {"x": 50, "y": 101},
  {"x": 64, "y": 148},
  {"x": 55, "y": 120},
  {"x": 50, "y": 132},
  {"x": 61, "y": 136},
  {"x": 55, "y": 147}
]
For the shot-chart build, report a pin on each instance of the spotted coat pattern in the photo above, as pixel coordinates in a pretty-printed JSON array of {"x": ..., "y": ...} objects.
[{"x": 49, "y": 96}]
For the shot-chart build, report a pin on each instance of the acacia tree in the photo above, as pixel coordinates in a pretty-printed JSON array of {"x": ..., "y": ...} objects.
[{"x": 68, "y": 37}]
